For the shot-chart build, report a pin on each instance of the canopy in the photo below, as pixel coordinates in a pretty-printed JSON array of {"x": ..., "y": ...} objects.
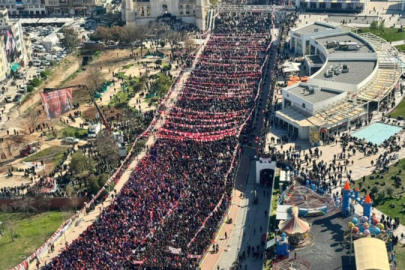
[
  {"x": 371, "y": 254},
  {"x": 294, "y": 224},
  {"x": 15, "y": 67}
]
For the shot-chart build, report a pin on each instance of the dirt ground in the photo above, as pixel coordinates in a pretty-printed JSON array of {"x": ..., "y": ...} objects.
[{"x": 63, "y": 75}]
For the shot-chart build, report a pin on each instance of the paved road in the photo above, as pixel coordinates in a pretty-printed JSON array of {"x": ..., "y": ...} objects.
[{"x": 251, "y": 221}]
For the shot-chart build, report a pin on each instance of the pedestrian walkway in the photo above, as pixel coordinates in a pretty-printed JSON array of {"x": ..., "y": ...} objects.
[{"x": 247, "y": 229}]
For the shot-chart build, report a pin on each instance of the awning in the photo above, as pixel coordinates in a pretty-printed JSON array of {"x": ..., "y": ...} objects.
[
  {"x": 15, "y": 67},
  {"x": 371, "y": 254}
]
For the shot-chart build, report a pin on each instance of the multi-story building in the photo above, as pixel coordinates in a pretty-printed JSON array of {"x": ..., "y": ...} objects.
[
  {"x": 350, "y": 76},
  {"x": 332, "y": 5},
  {"x": 144, "y": 11},
  {"x": 13, "y": 52},
  {"x": 71, "y": 7},
  {"x": 24, "y": 8}
]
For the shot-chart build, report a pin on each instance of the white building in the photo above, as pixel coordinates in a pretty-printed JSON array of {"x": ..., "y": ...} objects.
[
  {"x": 355, "y": 6},
  {"x": 71, "y": 7},
  {"x": 350, "y": 76},
  {"x": 24, "y": 8},
  {"x": 13, "y": 52},
  {"x": 144, "y": 11}
]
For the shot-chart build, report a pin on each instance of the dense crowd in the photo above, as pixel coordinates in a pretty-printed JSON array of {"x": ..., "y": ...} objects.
[{"x": 169, "y": 210}]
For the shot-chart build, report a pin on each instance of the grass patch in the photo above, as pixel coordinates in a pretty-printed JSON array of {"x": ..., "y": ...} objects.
[
  {"x": 71, "y": 77},
  {"x": 386, "y": 192},
  {"x": 53, "y": 153},
  {"x": 399, "y": 110},
  {"x": 400, "y": 256},
  {"x": 72, "y": 132},
  {"x": 122, "y": 75},
  {"x": 165, "y": 64},
  {"x": 32, "y": 231},
  {"x": 389, "y": 34},
  {"x": 401, "y": 48},
  {"x": 129, "y": 66}
]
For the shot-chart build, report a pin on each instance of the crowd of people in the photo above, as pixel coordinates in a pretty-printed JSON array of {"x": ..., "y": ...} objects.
[{"x": 167, "y": 213}]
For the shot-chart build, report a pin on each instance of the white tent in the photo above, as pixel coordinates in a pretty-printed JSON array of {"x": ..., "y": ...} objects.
[
  {"x": 50, "y": 41},
  {"x": 290, "y": 67}
]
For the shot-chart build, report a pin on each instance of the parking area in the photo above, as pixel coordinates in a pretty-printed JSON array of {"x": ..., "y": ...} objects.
[{"x": 45, "y": 51}]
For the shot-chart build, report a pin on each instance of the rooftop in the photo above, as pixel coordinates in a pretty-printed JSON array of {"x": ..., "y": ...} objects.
[
  {"x": 348, "y": 37},
  {"x": 312, "y": 28},
  {"x": 302, "y": 92},
  {"x": 358, "y": 71}
]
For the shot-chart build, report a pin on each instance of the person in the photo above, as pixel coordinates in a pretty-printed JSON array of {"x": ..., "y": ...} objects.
[{"x": 226, "y": 235}]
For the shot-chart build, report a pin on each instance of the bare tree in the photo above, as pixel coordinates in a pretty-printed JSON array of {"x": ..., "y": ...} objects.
[
  {"x": 135, "y": 34},
  {"x": 173, "y": 37},
  {"x": 189, "y": 45},
  {"x": 95, "y": 79},
  {"x": 31, "y": 120},
  {"x": 10, "y": 225},
  {"x": 108, "y": 150}
]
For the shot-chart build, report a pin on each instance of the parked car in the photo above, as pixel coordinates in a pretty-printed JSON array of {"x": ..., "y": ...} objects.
[
  {"x": 70, "y": 140},
  {"x": 46, "y": 63},
  {"x": 17, "y": 98},
  {"x": 8, "y": 99}
]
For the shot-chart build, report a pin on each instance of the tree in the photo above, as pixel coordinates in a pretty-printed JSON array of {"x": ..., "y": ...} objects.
[
  {"x": 102, "y": 33},
  {"x": 108, "y": 150},
  {"x": 381, "y": 26},
  {"x": 118, "y": 33},
  {"x": 374, "y": 190},
  {"x": 134, "y": 34},
  {"x": 81, "y": 164},
  {"x": 173, "y": 38},
  {"x": 10, "y": 225},
  {"x": 32, "y": 119},
  {"x": 189, "y": 45},
  {"x": 390, "y": 192},
  {"x": 70, "y": 38},
  {"x": 95, "y": 79},
  {"x": 161, "y": 85},
  {"x": 374, "y": 25}
]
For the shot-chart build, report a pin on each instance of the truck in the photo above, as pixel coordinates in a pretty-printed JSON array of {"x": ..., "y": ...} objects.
[
  {"x": 30, "y": 148},
  {"x": 94, "y": 130}
]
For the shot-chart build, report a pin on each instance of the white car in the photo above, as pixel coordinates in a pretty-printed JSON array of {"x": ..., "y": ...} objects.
[
  {"x": 46, "y": 63},
  {"x": 70, "y": 140},
  {"x": 41, "y": 68}
]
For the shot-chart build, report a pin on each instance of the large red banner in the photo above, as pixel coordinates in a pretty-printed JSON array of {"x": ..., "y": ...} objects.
[{"x": 57, "y": 102}]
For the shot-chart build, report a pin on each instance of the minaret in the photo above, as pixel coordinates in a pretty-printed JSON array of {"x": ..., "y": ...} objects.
[
  {"x": 128, "y": 12},
  {"x": 201, "y": 13}
]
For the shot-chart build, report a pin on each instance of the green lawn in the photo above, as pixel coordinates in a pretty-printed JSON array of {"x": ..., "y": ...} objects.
[
  {"x": 399, "y": 110},
  {"x": 389, "y": 34},
  {"x": 380, "y": 188},
  {"x": 53, "y": 153},
  {"x": 72, "y": 132},
  {"x": 31, "y": 232},
  {"x": 401, "y": 48},
  {"x": 400, "y": 256},
  {"x": 122, "y": 75}
]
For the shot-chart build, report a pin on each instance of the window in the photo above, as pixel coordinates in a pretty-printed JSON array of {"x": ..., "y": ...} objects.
[
  {"x": 181, "y": 9},
  {"x": 322, "y": 5},
  {"x": 313, "y": 5},
  {"x": 164, "y": 8},
  {"x": 188, "y": 9},
  {"x": 303, "y": 105}
]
